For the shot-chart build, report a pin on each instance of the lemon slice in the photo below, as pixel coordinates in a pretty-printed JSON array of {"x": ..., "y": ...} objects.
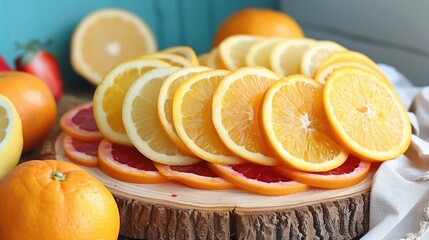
[
  {"x": 110, "y": 93},
  {"x": 315, "y": 55},
  {"x": 233, "y": 50},
  {"x": 11, "y": 140},
  {"x": 140, "y": 118}
]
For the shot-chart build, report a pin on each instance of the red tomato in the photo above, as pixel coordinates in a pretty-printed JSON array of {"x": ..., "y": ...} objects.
[{"x": 3, "y": 65}]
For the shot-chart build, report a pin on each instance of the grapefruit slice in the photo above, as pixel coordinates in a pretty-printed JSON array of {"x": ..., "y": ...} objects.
[
  {"x": 351, "y": 172},
  {"x": 257, "y": 178},
  {"x": 79, "y": 122},
  {"x": 197, "y": 175},
  {"x": 81, "y": 151},
  {"x": 127, "y": 164}
]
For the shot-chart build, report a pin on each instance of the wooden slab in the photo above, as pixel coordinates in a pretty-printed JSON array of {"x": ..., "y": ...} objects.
[{"x": 175, "y": 211}]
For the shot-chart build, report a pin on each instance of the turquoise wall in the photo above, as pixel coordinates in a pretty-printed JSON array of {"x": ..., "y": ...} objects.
[{"x": 174, "y": 22}]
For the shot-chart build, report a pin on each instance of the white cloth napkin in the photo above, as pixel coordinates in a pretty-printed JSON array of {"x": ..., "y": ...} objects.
[{"x": 400, "y": 193}]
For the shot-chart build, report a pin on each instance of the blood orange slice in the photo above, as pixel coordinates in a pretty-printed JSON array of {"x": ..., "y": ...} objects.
[
  {"x": 79, "y": 123},
  {"x": 80, "y": 151},
  {"x": 197, "y": 175},
  {"x": 351, "y": 172},
  {"x": 127, "y": 164},
  {"x": 257, "y": 178}
]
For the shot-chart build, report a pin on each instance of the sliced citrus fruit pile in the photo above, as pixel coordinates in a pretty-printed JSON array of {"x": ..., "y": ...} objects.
[
  {"x": 193, "y": 122},
  {"x": 109, "y": 96},
  {"x": 79, "y": 123},
  {"x": 184, "y": 51},
  {"x": 350, "y": 173},
  {"x": 127, "y": 164},
  {"x": 257, "y": 178},
  {"x": 106, "y": 38},
  {"x": 197, "y": 175},
  {"x": 367, "y": 116},
  {"x": 140, "y": 118},
  {"x": 295, "y": 125},
  {"x": 165, "y": 102},
  {"x": 347, "y": 58},
  {"x": 83, "y": 152},
  {"x": 236, "y": 111},
  {"x": 11, "y": 139}
]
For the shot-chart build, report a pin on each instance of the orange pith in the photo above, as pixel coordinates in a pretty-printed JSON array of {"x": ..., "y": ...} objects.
[
  {"x": 79, "y": 123},
  {"x": 352, "y": 172},
  {"x": 81, "y": 151},
  {"x": 115, "y": 161},
  {"x": 259, "y": 179},
  {"x": 196, "y": 176}
]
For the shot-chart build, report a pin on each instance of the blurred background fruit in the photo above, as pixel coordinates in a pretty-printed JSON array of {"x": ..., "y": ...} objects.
[
  {"x": 56, "y": 200},
  {"x": 38, "y": 61},
  {"x": 258, "y": 21},
  {"x": 106, "y": 38},
  {"x": 10, "y": 136},
  {"x": 35, "y": 104}
]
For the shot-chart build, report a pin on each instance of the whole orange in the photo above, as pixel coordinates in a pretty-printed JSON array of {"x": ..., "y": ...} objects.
[
  {"x": 35, "y": 105},
  {"x": 258, "y": 21},
  {"x": 55, "y": 200}
]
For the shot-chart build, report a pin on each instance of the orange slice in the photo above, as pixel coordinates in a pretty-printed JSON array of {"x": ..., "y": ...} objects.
[
  {"x": 260, "y": 52},
  {"x": 184, "y": 51},
  {"x": 192, "y": 115},
  {"x": 315, "y": 55},
  {"x": 165, "y": 102},
  {"x": 366, "y": 114},
  {"x": 106, "y": 38},
  {"x": 236, "y": 111},
  {"x": 259, "y": 179},
  {"x": 140, "y": 118},
  {"x": 110, "y": 93},
  {"x": 197, "y": 176},
  {"x": 233, "y": 50},
  {"x": 127, "y": 164},
  {"x": 80, "y": 151},
  {"x": 79, "y": 123},
  {"x": 212, "y": 60},
  {"x": 294, "y": 124},
  {"x": 173, "y": 59},
  {"x": 351, "y": 172},
  {"x": 285, "y": 57}
]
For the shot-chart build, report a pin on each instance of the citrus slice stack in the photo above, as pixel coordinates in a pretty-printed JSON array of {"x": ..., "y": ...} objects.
[
  {"x": 127, "y": 164},
  {"x": 109, "y": 96},
  {"x": 197, "y": 176},
  {"x": 260, "y": 52},
  {"x": 259, "y": 179},
  {"x": 285, "y": 57},
  {"x": 106, "y": 38},
  {"x": 315, "y": 55},
  {"x": 347, "y": 58},
  {"x": 79, "y": 123},
  {"x": 11, "y": 139},
  {"x": 184, "y": 51},
  {"x": 172, "y": 59},
  {"x": 367, "y": 116},
  {"x": 165, "y": 102},
  {"x": 236, "y": 111},
  {"x": 81, "y": 151},
  {"x": 192, "y": 115},
  {"x": 140, "y": 118},
  {"x": 233, "y": 50},
  {"x": 295, "y": 126},
  {"x": 351, "y": 172}
]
